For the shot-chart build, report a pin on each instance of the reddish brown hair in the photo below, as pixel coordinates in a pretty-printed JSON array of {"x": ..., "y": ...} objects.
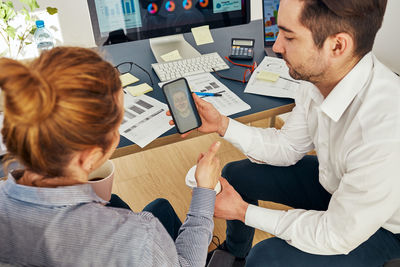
[
  {"x": 60, "y": 103},
  {"x": 359, "y": 18}
]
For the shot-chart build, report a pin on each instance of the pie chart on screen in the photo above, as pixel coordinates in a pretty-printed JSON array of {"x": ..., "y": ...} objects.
[
  {"x": 187, "y": 4},
  {"x": 152, "y": 8},
  {"x": 203, "y": 3},
  {"x": 170, "y": 6}
]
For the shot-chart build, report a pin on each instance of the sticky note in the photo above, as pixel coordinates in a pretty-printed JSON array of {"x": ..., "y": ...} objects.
[
  {"x": 174, "y": 55},
  {"x": 202, "y": 35},
  {"x": 127, "y": 79},
  {"x": 140, "y": 89},
  {"x": 267, "y": 76}
]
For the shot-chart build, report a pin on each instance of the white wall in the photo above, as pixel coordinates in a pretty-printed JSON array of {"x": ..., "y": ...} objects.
[
  {"x": 387, "y": 43},
  {"x": 74, "y": 20}
]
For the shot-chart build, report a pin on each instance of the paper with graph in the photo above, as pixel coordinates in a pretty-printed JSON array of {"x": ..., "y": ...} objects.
[{"x": 144, "y": 119}]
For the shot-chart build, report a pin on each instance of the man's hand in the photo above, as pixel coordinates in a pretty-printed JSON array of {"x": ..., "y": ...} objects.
[
  {"x": 212, "y": 120},
  {"x": 208, "y": 168},
  {"x": 229, "y": 205}
]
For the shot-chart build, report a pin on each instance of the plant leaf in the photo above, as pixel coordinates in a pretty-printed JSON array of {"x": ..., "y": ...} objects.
[
  {"x": 10, "y": 4},
  {"x": 25, "y": 12},
  {"x": 4, "y": 53},
  {"x": 28, "y": 43},
  {"x": 52, "y": 10},
  {"x": 9, "y": 11},
  {"x": 32, "y": 31},
  {"x": 10, "y": 31},
  {"x": 2, "y": 12},
  {"x": 31, "y": 3}
]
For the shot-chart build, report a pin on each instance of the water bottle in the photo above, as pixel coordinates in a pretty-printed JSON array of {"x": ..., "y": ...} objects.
[{"x": 42, "y": 37}]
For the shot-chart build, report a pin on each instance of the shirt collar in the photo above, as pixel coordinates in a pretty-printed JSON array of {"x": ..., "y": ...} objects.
[
  {"x": 58, "y": 196},
  {"x": 346, "y": 90}
]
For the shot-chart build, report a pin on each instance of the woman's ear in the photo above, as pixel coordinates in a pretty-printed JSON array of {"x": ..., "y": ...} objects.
[{"x": 88, "y": 160}]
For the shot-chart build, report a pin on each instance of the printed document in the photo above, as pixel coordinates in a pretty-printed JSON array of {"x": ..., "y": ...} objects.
[
  {"x": 283, "y": 86},
  {"x": 144, "y": 119},
  {"x": 227, "y": 104}
]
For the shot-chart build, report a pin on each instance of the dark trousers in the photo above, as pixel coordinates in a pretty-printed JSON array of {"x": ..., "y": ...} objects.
[
  {"x": 160, "y": 208},
  {"x": 296, "y": 186}
]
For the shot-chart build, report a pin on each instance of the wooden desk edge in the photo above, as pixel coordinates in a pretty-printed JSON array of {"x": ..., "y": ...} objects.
[{"x": 123, "y": 151}]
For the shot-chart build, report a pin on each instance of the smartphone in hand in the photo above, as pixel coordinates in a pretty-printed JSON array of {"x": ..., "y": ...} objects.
[{"x": 181, "y": 105}]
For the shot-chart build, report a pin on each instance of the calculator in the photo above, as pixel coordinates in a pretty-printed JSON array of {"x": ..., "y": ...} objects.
[{"x": 242, "y": 49}]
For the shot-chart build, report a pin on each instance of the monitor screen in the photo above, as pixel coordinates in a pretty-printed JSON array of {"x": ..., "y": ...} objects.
[
  {"x": 270, "y": 9},
  {"x": 140, "y": 19}
]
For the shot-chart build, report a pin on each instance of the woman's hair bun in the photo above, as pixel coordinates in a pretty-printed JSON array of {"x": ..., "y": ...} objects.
[{"x": 29, "y": 99}]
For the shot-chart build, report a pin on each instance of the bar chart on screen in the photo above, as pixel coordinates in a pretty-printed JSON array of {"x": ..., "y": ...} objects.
[{"x": 118, "y": 14}]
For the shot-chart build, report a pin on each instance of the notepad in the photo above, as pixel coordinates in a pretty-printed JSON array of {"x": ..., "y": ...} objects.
[
  {"x": 127, "y": 79},
  {"x": 202, "y": 35},
  {"x": 140, "y": 89},
  {"x": 174, "y": 55},
  {"x": 268, "y": 76}
]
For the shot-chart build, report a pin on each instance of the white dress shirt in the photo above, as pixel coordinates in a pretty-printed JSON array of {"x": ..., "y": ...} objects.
[{"x": 355, "y": 131}]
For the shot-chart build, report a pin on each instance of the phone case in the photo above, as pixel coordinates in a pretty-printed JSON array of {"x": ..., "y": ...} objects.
[{"x": 191, "y": 100}]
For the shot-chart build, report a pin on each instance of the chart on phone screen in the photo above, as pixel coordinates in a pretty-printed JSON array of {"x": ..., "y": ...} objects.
[
  {"x": 144, "y": 119},
  {"x": 227, "y": 104}
]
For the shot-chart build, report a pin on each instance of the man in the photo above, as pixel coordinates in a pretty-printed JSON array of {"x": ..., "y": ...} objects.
[{"x": 346, "y": 200}]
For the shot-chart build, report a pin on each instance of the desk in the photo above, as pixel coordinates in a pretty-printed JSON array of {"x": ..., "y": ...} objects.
[{"x": 140, "y": 53}]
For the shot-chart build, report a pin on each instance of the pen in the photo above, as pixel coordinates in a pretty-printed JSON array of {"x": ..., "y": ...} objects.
[{"x": 207, "y": 94}]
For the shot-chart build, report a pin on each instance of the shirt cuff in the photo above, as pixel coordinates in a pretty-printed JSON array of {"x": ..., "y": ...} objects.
[
  {"x": 203, "y": 201},
  {"x": 262, "y": 218},
  {"x": 238, "y": 134}
]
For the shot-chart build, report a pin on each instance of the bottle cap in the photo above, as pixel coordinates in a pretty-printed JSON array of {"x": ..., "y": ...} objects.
[{"x": 40, "y": 23}]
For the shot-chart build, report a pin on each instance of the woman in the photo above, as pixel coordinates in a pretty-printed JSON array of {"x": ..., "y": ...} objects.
[{"x": 61, "y": 118}]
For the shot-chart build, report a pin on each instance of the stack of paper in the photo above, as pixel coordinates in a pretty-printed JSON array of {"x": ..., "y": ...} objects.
[{"x": 271, "y": 78}]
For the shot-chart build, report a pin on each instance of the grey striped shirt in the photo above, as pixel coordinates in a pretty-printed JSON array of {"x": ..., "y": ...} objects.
[{"x": 69, "y": 226}]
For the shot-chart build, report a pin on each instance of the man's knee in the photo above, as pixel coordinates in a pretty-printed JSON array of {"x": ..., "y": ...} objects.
[
  {"x": 162, "y": 202},
  {"x": 270, "y": 252},
  {"x": 233, "y": 171}
]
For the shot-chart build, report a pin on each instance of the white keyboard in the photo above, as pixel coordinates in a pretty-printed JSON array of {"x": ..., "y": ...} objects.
[{"x": 185, "y": 67}]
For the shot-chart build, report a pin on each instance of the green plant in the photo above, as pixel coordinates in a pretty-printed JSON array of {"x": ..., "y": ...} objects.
[{"x": 18, "y": 26}]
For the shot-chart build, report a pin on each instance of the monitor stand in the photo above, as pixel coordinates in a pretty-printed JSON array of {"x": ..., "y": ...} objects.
[{"x": 163, "y": 45}]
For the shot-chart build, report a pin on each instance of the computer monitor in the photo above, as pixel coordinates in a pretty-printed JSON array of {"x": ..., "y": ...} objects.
[
  {"x": 140, "y": 19},
  {"x": 270, "y": 19}
]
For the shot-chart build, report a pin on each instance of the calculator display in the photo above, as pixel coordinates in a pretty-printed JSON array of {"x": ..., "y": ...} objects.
[{"x": 243, "y": 42}]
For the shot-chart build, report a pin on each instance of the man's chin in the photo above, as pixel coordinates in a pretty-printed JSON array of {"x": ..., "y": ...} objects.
[{"x": 294, "y": 74}]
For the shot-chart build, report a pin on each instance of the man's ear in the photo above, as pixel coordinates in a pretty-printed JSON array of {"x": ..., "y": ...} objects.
[
  {"x": 340, "y": 44},
  {"x": 89, "y": 158}
]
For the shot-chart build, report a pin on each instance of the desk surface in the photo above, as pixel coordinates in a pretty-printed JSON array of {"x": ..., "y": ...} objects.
[{"x": 140, "y": 53}]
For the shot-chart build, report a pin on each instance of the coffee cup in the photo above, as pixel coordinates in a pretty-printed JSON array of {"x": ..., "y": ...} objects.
[
  {"x": 102, "y": 179},
  {"x": 191, "y": 180}
]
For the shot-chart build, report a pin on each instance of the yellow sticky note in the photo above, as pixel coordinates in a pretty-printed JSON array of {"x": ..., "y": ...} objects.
[
  {"x": 268, "y": 76},
  {"x": 202, "y": 35},
  {"x": 174, "y": 55},
  {"x": 127, "y": 79},
  {"x": 140, "y": 89}
]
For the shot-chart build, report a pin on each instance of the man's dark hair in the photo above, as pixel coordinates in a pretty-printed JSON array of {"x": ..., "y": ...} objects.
[{"x": 359, "y": 18}]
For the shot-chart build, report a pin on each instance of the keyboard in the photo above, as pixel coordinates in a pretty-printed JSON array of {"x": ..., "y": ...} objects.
[{"x": 185, "y": 67}]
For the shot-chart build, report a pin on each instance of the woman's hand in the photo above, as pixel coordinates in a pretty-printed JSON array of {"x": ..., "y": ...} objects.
[
  {"x": 208, "y": 168},
  {"x": 212, "y": 120}
]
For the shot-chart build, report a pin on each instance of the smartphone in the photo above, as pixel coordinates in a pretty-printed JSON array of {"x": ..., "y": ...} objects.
[{"x": 181, "y": 105}]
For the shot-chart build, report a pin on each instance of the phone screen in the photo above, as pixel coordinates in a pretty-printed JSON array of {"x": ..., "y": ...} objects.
[{"x": 181, "y": 105}]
